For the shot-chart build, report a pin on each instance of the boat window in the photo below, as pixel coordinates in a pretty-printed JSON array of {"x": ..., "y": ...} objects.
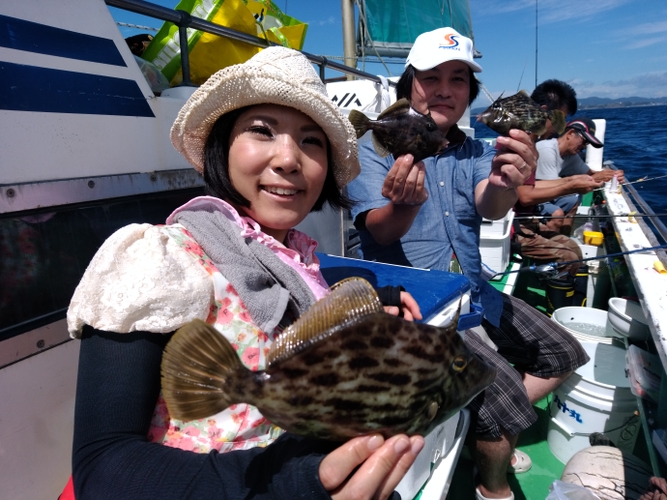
[{"x": 44, "y": 254}]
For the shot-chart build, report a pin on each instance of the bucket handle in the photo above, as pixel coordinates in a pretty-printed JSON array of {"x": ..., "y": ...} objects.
[
  {"x": 575, "y": 433},
  {"x": 568, "y": 431}
]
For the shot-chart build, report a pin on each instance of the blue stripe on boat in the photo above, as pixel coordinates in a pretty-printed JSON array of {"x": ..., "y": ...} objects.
[
  {"x": 34, "y": 37},
  {"x": 30, "y": 88}
]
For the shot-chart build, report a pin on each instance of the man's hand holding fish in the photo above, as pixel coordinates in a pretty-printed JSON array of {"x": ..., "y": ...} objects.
[
  {"x": 515, "y": 160},
  {"x": 404, "y": 188}
]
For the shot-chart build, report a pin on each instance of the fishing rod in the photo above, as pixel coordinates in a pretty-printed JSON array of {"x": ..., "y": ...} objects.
[
  {"x": 604, "y": 216},
  {"x": 643, "y": 179},
  {"x": 550, "y": 270}
]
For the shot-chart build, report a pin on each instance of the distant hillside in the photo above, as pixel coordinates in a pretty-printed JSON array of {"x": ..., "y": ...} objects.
[{"x": 605, "y": 102}]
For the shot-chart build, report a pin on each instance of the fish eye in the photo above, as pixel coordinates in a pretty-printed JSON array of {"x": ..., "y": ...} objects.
[{"x": 459, "y": 363}]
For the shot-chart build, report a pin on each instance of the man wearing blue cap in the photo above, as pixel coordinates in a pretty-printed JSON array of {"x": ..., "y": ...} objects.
[{"x": 421, "y": 214}]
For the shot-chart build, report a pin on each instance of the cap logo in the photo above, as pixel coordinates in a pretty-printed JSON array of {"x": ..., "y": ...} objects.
[{"x": 451, "y": 42}]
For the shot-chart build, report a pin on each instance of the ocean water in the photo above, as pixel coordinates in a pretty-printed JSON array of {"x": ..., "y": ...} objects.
[{"x": 636, "y": 141}]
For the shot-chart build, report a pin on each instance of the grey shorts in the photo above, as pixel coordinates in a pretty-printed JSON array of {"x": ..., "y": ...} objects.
[
  {"x": 565, "y": 203},
  {"x": 534, "y": 344}
]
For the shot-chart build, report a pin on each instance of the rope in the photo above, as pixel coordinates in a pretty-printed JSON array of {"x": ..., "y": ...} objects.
[{"x": 137, "y": 26}]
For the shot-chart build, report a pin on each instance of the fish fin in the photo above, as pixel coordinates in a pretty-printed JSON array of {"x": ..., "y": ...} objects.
[
  {"x": 558, "y": 120},
  {"x": 523, "y": 93},
  {"x": 196, "y": 364},
  {"x": 379, "y": 148},
  {"x": 359, "y": 121},
  {"x": 398, "y": 108},
  {"x": 350, "y": 300}
]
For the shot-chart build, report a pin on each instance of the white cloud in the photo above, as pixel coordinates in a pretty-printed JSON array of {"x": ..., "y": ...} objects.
[
  {"x": 640, "y": 43},
  {"x": 645, "y": 85},
  {"x": 647, "y": 28},
  {"x": 329, "y": 20}
]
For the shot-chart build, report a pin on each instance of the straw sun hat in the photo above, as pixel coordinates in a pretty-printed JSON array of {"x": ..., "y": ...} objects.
[{"x": 276, "y": 75}]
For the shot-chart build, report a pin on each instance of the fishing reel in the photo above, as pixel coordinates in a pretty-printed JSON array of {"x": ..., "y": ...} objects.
[{"x": 547, "y": 271}]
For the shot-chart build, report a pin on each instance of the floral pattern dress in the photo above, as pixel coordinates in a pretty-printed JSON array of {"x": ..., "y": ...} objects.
[{"x": 241, "y": 426}]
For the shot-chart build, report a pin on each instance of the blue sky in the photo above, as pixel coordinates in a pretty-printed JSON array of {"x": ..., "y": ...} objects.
[{"x": 604, "y": 48}]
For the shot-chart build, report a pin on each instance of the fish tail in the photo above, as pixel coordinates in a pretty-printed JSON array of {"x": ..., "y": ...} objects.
[
  {"x": 196, "y": 366},
  {"x": 359, "y": 121},
  {"x": 558, "y": 120}
]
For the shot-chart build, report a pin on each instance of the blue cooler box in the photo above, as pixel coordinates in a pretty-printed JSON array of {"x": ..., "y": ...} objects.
[{"x": 438, "y": 294}]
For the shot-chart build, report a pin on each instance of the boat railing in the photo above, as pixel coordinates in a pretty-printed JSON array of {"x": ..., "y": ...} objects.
[{"x": 184, "y": 21}]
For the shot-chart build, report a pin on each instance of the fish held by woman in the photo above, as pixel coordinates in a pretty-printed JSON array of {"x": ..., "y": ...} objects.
[
  {"x": 521, "y": 112},
  {"x": 400, "y": 130},
  {"x": 344, "y": 369}
]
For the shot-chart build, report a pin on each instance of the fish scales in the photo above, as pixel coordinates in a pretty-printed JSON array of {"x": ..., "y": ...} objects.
[
  {"x": 400, "y": 130},
  {"x": 336, "y": 393},
  {"x": 519, "y": 111},
  {"x": 377, "y": 373}
]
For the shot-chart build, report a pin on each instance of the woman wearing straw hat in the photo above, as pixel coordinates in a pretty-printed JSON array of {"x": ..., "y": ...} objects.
[{"x": 271, "y": 147}]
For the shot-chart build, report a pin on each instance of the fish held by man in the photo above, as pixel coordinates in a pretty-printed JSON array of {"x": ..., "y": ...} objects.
[
  {"x": 400, "y": 130},
  {"x": 344, "y": 369},
  {"x": 521, "y": 112}
]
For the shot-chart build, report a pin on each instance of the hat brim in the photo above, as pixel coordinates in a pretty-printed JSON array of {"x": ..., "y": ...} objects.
[
  {"x": 592, "y": 140},
  {"x": 240, "y": 86}
]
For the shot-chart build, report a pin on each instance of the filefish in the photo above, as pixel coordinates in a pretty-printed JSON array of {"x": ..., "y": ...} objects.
[
  {"x": 343, "y": 369},
  {"x": 521, "y": 112},
  {"x": 400, "y": 130}
]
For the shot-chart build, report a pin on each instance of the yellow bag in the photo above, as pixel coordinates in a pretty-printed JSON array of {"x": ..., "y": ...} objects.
[{"x": 208, "y": 52}]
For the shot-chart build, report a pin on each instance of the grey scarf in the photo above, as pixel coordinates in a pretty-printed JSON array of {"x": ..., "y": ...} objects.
[{"x": 267, "y": 286}]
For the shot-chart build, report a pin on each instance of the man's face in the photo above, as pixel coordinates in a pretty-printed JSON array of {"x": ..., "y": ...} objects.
[
  {"x": 574, "y": 143},
  {"x": 444, "y": 91}
]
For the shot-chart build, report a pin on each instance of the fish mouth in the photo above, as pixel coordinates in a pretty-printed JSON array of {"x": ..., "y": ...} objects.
[{"x": 482, "y": 116}]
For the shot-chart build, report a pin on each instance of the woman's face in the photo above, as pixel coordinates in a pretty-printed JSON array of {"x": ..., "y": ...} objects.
[{"x": 278, "y": 162}]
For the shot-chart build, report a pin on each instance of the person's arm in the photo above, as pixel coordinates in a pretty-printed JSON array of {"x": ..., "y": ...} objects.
[
  {"x": 548, "y": 190},
  {"x": 512, "y": 164},
  {"x": 117, "y": 388}
]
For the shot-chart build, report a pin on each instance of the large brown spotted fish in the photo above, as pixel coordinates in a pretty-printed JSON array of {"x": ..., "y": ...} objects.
[
  {"x": 400, "y": 130},
  {"x": 521, "y": 112},
  {"x": 345, "y": 368}
]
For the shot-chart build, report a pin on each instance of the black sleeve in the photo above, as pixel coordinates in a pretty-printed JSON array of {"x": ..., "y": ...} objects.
[
  {"x": 390, "y": 295},
  {"x": 117, "y": 389}
]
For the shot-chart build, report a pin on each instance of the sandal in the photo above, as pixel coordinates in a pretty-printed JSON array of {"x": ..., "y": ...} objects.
[
  {"x": 523, "y": 463},
  {"x": 479, "y": 496}
]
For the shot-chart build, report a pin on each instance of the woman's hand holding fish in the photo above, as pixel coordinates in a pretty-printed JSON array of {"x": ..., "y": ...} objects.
[
  {"x": 408, "y": 308},
  {"x": 381, "y": 466},
  {"x": 515, "y": 160}
]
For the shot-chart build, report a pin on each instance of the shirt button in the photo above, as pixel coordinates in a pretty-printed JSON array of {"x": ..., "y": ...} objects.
[
  {"x": 442, "y": 184},
  {"x": 447, "y": 214}
]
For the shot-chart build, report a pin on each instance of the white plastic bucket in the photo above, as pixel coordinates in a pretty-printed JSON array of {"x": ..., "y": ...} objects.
[
  {"x": 595, "y": 398},
  {"x": 586, "y": 324}
]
